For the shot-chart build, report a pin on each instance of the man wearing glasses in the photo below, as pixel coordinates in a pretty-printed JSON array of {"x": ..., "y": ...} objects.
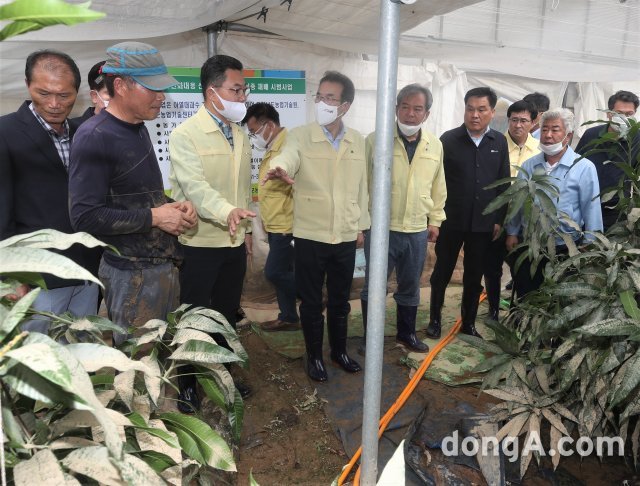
[
  {"x": 331, "y": 199},
  {"x": 276, "y": 212},
  {"x": 211, "y": 167},
  {"x": 522, "y": 146},
  {"x": 622, "y": 105}
]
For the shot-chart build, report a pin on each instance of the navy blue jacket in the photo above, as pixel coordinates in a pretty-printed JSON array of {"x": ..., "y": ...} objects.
[{"x": 34, "y": 186}]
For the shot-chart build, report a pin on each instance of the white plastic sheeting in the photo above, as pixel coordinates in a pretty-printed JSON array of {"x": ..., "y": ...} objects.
[{"x": 514, "y": 46}]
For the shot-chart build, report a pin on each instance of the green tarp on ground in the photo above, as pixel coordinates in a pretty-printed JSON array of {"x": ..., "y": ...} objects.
[{"x": 451, "y": 367}]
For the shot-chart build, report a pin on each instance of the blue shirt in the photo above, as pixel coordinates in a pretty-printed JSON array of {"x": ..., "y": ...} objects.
[
  {"x": 579, "y": 190},
  {"x": 335, "y": 141}
]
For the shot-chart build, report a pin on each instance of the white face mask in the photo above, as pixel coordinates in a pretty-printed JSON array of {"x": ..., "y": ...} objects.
[
  {"x": 553, "y": 149},
  {"x": 619, "y": 123},
  {"x": 259, "y": 141},
  {"x": 234, "y": 111},
  {"x": 326, "y": 114},
  {"x": 409, "y": 130},
  {"x": 105, "y": 103}
]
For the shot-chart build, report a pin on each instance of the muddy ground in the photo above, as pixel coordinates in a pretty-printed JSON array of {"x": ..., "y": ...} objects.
[{"x": 287, "y": 439}]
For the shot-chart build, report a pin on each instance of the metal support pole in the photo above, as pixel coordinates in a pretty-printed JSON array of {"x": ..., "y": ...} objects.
[
  {"x": 380, "y": 194},
  {"x": 212, "y": 41}
]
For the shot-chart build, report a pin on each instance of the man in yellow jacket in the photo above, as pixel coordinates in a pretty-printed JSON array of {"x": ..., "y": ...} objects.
[
  {"x": 418, "y": 194},
  {"x": 211, "y": 167},
  {"x": 331, "y": 203},
  {"x": 276, "y": 212}
]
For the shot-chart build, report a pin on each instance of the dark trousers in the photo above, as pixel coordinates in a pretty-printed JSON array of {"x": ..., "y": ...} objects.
[
  {"x": 493, "y": 263},
  {"x": 213, "y": 278},
  {"x": 314, "y": 262},
  {"x": 407, "y": 253},
  {"x": 448, "y": 247},
  {"x": 279, "y": 271},
  {"x": 523, "y": 281}
]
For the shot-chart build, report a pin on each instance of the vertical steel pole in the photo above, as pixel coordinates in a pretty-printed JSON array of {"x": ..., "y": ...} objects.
[
  {"x": 380, "y": 202},
  {"x": 212, "y": 41}
]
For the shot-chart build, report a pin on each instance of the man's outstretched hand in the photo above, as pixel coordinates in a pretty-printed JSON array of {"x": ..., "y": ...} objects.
[
  {"x": 277, "y": 173},
  {"x": 235, "y": 216}
]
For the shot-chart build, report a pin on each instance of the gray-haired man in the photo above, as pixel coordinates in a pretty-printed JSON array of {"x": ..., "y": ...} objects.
[{"x": 418, "y": 194}]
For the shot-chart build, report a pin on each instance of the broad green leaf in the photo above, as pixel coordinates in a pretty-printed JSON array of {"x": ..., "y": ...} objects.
[
  {"x": 186, "y": 334},
  {"x": 490, "y": 363},
  {"x": 139, "y": 423},
  {"x": 83, "y": 388},
  {"x": 208, "y": 444},
  {"x": 105, "y": 324},
  {"x": 50, "y": 238},
  {"x": 212, "y": 390},
  {"x": 76, "y": 419},
  {"x": 136, "y": 471},
  {"x": 222, "y": 377},
  {"x": 43, "y": 360},
  {"x": 44, "y": 13},
  {"x": 37, "y": 260},
  {"x": 123, "y": 384},
  {"x": 153, "y": 380},
  {"x": 630, "y": 305},
  {"x": 512, "y": 395},
  {"x": 575, "y": 289},
  {"x": 11, "y": 428},
  {"x": 201, "y": 352},
  {"x": 610, "y": 327},
  {"x": 630, "y": 379},
  {"x": 94, "y": 356},
  {"x": 17, "y": 313},
  {"x": 572, "y": 312},
  {"x": 42, "y": 468},
  {"x": 95, "y": 463},
  {"x": 157, "y": 460},
  {"x": 572, "y": 367},
  {"x": 513, "y": 428},
  {"x": 236, "y": 416}
]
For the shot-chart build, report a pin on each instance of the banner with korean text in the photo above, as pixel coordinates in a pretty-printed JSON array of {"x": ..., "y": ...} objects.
[{"x": 285, "y": 90}]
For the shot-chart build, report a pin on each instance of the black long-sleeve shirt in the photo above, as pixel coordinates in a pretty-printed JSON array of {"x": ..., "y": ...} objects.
[
  {"x": 468, "y": 170},
  {"x": 114, "y": 181}
]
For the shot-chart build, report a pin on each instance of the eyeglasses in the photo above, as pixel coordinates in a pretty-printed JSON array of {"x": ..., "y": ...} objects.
[
  {"x": 329, "y": 100},
  {"x": 516, "y": 121},
  {"x": 253, "y": 134},
  {"x": 238, "y": 91}
]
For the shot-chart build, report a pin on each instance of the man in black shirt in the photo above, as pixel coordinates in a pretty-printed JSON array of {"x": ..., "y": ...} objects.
[
  {"x": 474, "y": 157},
  {"x": 609, "y": 173},
  {"x": 116, "y": 191}
]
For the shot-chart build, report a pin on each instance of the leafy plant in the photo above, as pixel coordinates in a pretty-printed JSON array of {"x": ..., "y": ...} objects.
[
  {"x": 567, "y": 357},
  {"x": 29, "y": 15},
  {"x": 86, "y": 412}
]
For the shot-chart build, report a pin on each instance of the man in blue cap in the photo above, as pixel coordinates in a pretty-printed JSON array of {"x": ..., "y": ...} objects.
[{"x": 116, "y": 191}]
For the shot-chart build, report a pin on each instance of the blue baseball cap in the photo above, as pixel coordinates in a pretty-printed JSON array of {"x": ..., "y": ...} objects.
[{"x": 140, "y": 61}]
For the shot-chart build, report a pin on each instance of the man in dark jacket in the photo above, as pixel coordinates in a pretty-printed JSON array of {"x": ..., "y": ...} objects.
[
  {"x": 474, "y": 157},
  {"x": 35, "y": 143},
  {"x": 623, "y": 103}
]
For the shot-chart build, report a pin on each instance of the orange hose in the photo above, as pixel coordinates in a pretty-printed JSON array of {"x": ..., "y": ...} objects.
[{"x": 403, "y": 397}]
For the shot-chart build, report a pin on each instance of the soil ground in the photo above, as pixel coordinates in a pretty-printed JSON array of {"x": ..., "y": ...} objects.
[{"x": 287, "y": 439}]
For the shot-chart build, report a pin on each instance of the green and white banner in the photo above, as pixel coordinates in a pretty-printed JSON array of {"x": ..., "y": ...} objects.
[{"x": 285, "y": 90}]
